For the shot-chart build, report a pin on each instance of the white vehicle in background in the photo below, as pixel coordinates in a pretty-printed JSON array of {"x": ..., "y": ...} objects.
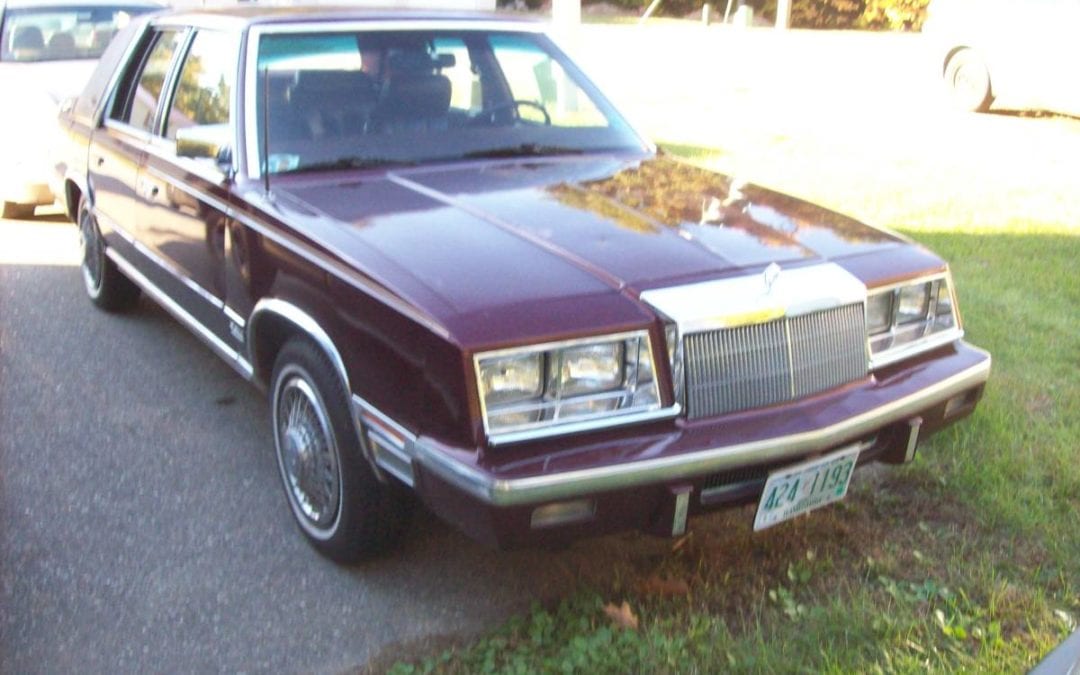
[
  {"x": 47, "y": 51},
  {"x": 1019, "y": 54}
]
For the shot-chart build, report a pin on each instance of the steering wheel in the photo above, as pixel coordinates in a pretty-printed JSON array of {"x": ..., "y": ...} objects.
[{"x": 490, "y": 114}]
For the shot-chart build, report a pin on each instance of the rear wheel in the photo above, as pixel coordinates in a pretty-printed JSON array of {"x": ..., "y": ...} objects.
[
  {"x": 969, "y": 81},
  {"x": 340, "y": 505},
  {"x": 106, "y": 285}
]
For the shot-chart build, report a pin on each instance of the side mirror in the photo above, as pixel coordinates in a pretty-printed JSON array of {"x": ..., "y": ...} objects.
[{"x": 210, "y": 141}]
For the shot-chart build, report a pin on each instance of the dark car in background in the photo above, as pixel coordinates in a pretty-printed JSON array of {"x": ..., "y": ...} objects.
[
  {"x": 1015, "y": 54},
  {"x": 459, "y": 273},
  {"x": 47, "y": 50}
]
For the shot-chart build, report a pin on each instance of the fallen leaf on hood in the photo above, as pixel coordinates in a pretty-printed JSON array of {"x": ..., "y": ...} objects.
[
  {"x": 654, "y": 585},
  {"x": 622, "y": 616}
]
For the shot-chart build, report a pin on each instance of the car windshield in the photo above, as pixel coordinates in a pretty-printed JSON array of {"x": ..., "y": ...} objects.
[
  {"x": 385, "y": 98},
  {"x": 60, "y": 33}
]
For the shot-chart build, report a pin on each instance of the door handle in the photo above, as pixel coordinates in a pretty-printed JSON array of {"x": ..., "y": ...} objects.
[
  {"x": 100, "y": 160},
  {"x": 147, "y": 189}
]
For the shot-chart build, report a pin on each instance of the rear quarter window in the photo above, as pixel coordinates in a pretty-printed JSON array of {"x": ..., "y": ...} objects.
[{"x": 90, "y": 101}]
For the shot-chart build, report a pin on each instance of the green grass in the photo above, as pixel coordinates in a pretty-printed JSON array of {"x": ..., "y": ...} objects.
[{"x": 966, "y": 560}]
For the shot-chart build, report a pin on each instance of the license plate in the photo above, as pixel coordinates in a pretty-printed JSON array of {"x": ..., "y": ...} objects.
[{"x": 803, "y": 487}]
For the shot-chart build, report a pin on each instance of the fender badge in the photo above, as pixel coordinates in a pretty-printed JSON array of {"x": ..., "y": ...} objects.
[{"x": 771, "y": 274}]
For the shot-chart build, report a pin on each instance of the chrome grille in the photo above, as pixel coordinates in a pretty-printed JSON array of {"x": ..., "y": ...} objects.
[{"x": 752, "y": 366}]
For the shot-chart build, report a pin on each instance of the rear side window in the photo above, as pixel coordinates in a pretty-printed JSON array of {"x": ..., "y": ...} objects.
[
  {"x": 97, "y": 86},
  {"x": 204, "y": 89},
  {"x": 137, "y": 102}
]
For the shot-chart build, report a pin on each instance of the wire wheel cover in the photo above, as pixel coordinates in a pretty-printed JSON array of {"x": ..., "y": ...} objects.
[{"x": 309, "y": 456}]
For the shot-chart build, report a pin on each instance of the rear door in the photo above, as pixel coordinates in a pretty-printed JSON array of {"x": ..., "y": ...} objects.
[{"x": 119, "y": 146}]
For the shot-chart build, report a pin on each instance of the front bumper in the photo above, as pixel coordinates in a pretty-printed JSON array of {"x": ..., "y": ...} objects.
[
  {"x": 629, "y": 478},
  {"x": 26, "y": 182}
]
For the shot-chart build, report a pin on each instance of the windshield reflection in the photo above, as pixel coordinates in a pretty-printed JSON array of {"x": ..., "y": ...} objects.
[{"x": 357, "y": 100}]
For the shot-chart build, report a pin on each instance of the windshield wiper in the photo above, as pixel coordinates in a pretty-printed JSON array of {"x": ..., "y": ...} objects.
[
  {"x": 350, "y": 163},
  {"x": 524, "y": 150}
]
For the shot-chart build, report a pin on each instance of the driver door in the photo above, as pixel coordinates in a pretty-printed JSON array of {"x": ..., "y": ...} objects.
[{"x": 184, "y": 200}]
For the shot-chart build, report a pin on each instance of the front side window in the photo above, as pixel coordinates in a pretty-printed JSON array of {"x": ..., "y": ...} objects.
[
  {"x": 206, "y": 82},
  {"x": 138, "y": 105},
  {"x": 62, "y": 33},
  {"x": 359, "y": 99}
]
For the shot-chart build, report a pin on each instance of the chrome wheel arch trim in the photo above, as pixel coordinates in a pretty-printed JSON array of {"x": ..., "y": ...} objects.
[
  {"x": 397, "y": 462},
  {"x": 302, "y": 321}
]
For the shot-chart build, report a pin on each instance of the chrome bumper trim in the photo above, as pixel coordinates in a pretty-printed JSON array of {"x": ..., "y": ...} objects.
[{"x": 537, "y": 489}]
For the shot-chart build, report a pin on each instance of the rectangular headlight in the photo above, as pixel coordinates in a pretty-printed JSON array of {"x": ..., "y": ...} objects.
[
  {"x": 588, "y": 369},
  {"x": 512, "y": 378},
  {"x": 534, "y": 390},
  {"x": 909, "y": 318},
  {"x": 913, "y": 302}
]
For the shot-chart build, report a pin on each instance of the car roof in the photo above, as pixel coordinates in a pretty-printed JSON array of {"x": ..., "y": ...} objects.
[
  {"x": 46, "y": 4},
  {"x": 240, "y": 15}
]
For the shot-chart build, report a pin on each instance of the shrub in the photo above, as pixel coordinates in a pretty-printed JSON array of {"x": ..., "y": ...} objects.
[
  {"x": 894, "y": 14},
  {"x": 826, "y": 13}
]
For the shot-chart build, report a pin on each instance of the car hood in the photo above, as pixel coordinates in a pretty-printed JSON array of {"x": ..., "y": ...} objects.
[
  {"x": 509, "y": 243},
  {"x": 39, "y": 88}
]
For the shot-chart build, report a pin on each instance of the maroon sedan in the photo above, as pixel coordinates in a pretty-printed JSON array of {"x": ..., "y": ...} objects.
[{"x": 460, "y": 273}]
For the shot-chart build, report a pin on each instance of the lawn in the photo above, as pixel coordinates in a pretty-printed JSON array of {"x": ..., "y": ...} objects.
[{"x": 966, "y": 560}]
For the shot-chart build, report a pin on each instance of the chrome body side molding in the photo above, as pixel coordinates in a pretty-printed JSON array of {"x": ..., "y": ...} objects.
[{"x": 231, "y": 356}]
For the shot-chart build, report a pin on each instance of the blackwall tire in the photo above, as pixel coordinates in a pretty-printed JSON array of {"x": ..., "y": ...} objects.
[
  {"x": 968, "y": 81},
  {"x": 342, "y": 508},
  {"x": 106, "y": 286}
]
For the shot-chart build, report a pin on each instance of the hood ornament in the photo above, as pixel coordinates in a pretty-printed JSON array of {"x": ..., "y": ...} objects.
[{"x": 771, "y": 274}]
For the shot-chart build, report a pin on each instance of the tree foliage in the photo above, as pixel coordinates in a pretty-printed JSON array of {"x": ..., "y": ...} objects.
[
  {"x": 828, "y": 14},
  {"x": 894, "y": 14}
]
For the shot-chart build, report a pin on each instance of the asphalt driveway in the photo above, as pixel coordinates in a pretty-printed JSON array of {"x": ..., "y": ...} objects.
[{"x": 143, "y": 525}]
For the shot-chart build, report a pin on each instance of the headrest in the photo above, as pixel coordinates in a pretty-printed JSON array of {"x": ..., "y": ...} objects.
[
  {"x": 412, "y": 62},
  {"x": 424, "y": 96},
  {"x": 62, "y": 43},
  {"x": 28, "y": 37},
  {"x": 317, "y": 87}
]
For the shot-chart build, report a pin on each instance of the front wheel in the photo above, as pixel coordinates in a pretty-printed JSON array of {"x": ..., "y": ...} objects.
[
  {"x": 106, "y": 286},
  {"x": 968, "y": 81},
  {"x": 340, "y": 505}
]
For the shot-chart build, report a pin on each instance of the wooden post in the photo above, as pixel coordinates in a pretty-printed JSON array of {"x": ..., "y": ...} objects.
[{"x": 783, "y": 14}]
